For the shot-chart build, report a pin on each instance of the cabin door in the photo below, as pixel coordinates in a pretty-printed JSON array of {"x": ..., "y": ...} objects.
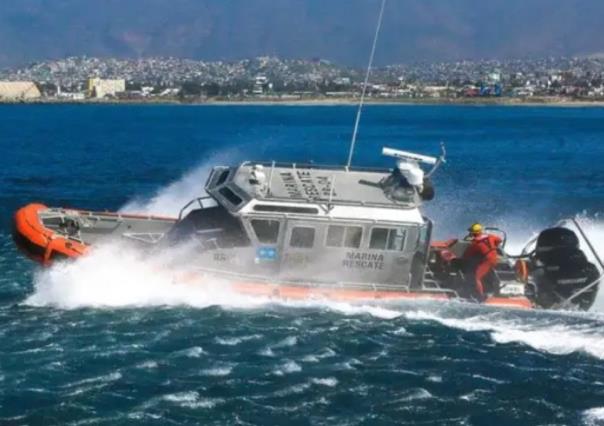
[
  {"x": 267, "y": 237},
  {"x": 300, "y": 247},
  {"x": 395, "y": 247}
]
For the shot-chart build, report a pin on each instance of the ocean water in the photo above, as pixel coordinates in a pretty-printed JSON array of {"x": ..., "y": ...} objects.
[{"x": 109, "y": 339}]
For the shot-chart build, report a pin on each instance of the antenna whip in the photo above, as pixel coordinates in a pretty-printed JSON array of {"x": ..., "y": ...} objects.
[{"x": 358, "y": 117}]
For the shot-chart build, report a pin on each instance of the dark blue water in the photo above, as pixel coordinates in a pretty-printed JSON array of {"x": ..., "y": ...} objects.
[{"x": 109, "y": 340}]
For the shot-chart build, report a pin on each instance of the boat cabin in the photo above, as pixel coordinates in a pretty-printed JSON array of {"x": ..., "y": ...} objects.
[{"x": 300, "y": 223}]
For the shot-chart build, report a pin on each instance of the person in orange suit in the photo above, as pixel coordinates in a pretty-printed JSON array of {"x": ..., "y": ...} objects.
[{"x": 482, "y": 252}]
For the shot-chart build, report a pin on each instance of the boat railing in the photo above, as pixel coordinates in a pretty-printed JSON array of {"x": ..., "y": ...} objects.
[
  {"x": 342, "y": 202},
  {"x": 199, "y": 201},
  {"x": 568, "y": 301},
  {"x": 294, "y": 166}
]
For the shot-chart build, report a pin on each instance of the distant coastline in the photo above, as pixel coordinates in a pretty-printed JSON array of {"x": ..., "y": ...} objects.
[
  {"x": 271, "y": 80},
  {"x": 493, "y": 101}
]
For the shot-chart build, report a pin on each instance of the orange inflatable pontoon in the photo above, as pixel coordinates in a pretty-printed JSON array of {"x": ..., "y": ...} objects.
[{"x": 39, "y": 242}]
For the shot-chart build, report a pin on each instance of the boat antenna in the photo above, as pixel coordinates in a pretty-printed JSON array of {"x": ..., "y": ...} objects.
[{"x": 364, "y": 90}]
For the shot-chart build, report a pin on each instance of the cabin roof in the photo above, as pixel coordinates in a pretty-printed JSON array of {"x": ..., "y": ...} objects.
[{"x": 311, "y": 184}]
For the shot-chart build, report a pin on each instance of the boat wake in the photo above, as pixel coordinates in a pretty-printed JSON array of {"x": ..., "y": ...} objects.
[
  {"x": 118, "y": 277},
  {"x": 551, "y": 332},
  {"x": 115, "y": 276}
]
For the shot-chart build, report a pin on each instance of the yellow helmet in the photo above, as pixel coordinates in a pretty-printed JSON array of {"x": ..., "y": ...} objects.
[{"x": 476, "y": 228}]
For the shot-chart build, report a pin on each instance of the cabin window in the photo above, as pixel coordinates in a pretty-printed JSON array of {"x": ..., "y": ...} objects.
[
  {"x": 267, "y": 230},
  {"x": 344, "y": 236},
  {"x": 231, "y": 197},
  {"x": 223, "y": 177},
  {"x": 212, "y": 223},
  {"x": 387, "y": 239},
  {"x": 302, "y": 237}
]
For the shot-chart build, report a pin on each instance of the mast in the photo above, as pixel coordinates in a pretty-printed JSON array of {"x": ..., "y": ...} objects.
[{"x": 364, "y": 90}]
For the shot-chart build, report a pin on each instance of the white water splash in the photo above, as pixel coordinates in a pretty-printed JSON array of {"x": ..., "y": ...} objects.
[
  {"x": 168, "y": 200},
  {"x": 594, "y": 416},
  {"x": 330, "y": 382},
  {"x": 191, "y": 399},
  {"x": 234, "y": 341},
  {"x": 287, "y": 367},
  {"x": 554, "y": 333},
  {"x": 194, "y": 352},
  {"x": 115, "y": 275},
  {"x": 218, "y": 371},
  {"x": 594, "y": 229}
]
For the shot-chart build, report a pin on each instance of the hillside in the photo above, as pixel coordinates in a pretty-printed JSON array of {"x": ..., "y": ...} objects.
[{"x": 338, "y": 30}]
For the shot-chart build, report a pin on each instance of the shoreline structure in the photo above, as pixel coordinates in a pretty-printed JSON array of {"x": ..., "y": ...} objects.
[{"x": 500, "y": 101}]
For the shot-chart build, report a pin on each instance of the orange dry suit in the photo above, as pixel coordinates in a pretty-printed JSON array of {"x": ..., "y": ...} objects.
[{"x": 483, "y": 250}]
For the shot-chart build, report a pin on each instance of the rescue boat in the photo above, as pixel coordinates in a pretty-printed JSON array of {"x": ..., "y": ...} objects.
[{"x": 296, "y": 231}]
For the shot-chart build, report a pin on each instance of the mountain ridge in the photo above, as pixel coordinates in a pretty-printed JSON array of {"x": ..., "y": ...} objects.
[{"x": 337, "y": 30}]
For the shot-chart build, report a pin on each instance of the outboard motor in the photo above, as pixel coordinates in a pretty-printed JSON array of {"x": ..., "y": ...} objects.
[
  {"x": 561, "y": 269},
  {"x": 553, "y": 238}
]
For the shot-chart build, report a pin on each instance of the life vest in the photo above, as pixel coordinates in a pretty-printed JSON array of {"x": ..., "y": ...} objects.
[{"x": 483, "y": 247}]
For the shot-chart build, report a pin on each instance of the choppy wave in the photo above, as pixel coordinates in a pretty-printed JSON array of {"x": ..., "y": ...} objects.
[
  {"x": 116, "y": 339},
  {"x": 594, "y": 416},
  {"x": 115, "y": 275},
  {"x": 191, "y": 399},
  {"x": 554, "y": 333},
  {"x": 122, "y": 279}
]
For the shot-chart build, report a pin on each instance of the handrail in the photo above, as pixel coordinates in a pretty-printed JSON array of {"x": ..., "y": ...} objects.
[
  {"x": 342, "y": 202},
  {"x": 186, "y": 206},
  {"x": 588, "y": 242},
  {"x": 315, "y": 166},
  {"x": 566, "y": 302}
]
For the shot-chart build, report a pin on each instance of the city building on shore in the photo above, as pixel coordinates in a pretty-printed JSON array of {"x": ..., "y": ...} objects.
[
  {"x": 185, "y": 80},
  {"x": 101, "y": 88},
  {"x": 261, "y": 84},
  {"x": 18, "y": 90}
]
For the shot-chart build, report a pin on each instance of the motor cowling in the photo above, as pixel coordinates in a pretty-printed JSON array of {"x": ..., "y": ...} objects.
[
  {"x": 561, "y": 269},
  {"x": 555, "y": 238}
]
